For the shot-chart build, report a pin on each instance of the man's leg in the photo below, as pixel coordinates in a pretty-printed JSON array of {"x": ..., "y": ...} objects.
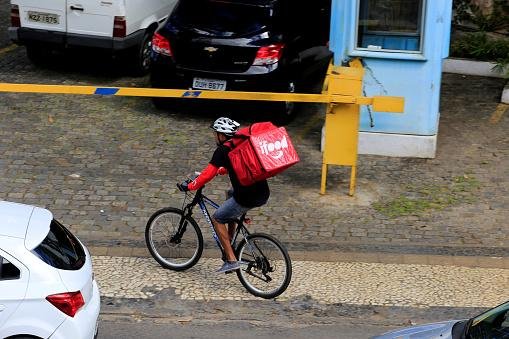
[
  {"x": 224, "y": 239},
  {"x": 229, "y": 210},
  {"x": 231, "y": 229},
  {"x": 231, "y": 225}
]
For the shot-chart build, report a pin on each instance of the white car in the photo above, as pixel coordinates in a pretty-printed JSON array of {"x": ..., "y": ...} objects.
[
  {"x": 47, "y": 287},
  {"x": 492, "y": 324},
  {"x": 118, "y": 26}
]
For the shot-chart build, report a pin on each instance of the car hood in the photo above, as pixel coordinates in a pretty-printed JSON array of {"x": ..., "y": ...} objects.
[{"x": 442, "y": 330}]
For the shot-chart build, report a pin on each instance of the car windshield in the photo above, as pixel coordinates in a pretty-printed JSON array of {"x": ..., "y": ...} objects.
[
  {"x": 223, "y": 18},
  {"x": 491, "y": 324},
  {"x": 61, "y": 249}
]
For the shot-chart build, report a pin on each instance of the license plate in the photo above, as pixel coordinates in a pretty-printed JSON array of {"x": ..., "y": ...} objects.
[
  {"x": 46, "y": 18},
  {"x": 209, "y": 84}
]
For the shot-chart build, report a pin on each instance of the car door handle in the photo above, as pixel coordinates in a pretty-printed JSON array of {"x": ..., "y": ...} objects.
[
  {"x": 74, "y": 8},
  {"x": 2, "y": 307}
]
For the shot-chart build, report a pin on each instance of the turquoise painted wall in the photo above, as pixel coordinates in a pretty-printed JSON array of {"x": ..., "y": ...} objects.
[{"x": 415, "y": 76}]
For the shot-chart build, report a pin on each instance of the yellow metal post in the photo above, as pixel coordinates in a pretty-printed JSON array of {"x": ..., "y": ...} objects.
[{"x": 342, "y": 122}]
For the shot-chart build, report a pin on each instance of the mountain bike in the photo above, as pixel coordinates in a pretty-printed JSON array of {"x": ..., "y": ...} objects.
[{"x": 175, "y": 241}]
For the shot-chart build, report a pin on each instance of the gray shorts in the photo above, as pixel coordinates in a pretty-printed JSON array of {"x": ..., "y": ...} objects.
[{"x": 230, "y": 210}]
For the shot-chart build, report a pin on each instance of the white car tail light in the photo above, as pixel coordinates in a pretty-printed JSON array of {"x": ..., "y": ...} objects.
[
  {"x": 268, "y": 55},
  {"x": 69, "y": 303},
  {"x": 119, "y": 27},
  {"x": 15, "y": 20},
  {"x": 161, "y": 45}
]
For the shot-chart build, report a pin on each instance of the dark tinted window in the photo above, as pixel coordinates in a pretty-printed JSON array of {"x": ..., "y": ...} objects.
[
  {"x": 491, "y": 324},
  {"x": 223, "y": 18},
  {"x": 7, "y": 270},
  {"x": 392, "y": 16},
  {"x": 61, "y": 249},
  {"x": 390, "y": 24}
]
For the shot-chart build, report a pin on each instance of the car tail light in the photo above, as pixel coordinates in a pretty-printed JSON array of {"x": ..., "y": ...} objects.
[
  {"x": 69, "y": 303},
  {"x": 268, "y": 55},
  {"x": 119, "y": 27},
  {"x": 161, "y": 45},
  {"x": 15, "y": 20}
]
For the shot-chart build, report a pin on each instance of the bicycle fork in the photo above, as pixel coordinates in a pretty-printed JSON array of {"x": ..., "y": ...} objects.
[{"x": 177, "y": 237}]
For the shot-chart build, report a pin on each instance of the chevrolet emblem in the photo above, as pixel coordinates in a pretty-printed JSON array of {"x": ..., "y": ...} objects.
[{"x": 210, "y": 49}]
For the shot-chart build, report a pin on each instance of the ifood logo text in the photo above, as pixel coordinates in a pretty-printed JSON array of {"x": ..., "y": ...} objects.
[{"x": 274, "y": 149}]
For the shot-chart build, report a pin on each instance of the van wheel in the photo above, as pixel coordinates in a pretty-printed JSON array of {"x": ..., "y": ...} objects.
[
  {"x": 286, "y": 111},
  {"x": 141, "y": 56},
  {"x": 37, "y": 55}
]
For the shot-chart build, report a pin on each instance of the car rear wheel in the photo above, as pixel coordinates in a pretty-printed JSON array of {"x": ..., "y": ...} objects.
[
  {"x": 285, "y": 111},
  {"x": 140, "y": 58}
]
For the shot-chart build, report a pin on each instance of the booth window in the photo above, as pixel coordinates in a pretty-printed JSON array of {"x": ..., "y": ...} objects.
[{"x": 390, "y": 25}]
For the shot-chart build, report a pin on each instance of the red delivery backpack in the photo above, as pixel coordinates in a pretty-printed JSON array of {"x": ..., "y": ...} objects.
[{"x": 261, "y": 151}]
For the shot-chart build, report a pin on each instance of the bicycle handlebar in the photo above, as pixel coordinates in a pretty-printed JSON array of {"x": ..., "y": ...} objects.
[{"x": 188, "y": 180}]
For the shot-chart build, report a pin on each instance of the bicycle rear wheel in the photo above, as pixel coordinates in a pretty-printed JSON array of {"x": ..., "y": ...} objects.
[
  {"x": 266, "y": 268},
  {"x": 173, "y": 240}
]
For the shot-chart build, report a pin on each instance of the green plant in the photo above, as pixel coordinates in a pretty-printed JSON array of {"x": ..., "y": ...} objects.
[
  {"x": 480, "y": 46},
  {"x": 498, "y": 19},
  {"x": 467, "y": 12},
  {"x": 461, "y": 10},
  {"x": 503, "y": 66}
]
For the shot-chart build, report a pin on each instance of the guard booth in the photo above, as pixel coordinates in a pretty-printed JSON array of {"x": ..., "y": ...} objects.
[{"x": 402, "y": 44}]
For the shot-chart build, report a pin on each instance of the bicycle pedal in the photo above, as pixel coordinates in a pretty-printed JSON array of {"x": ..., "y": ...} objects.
[{"x": 228, "y": 272}]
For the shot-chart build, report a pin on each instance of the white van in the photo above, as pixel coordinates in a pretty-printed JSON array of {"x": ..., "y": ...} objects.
[{"x": 116, "y": 25}]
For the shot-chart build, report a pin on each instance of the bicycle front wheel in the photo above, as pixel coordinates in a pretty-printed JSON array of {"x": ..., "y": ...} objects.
[
  {"x": 173, "y": 240},
  {"x": 266, "y": 269}
]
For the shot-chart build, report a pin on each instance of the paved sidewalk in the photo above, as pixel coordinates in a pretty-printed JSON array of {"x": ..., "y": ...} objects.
[
  {"x": 103, "y": 165},
  {"x": 325, "y": 282}
]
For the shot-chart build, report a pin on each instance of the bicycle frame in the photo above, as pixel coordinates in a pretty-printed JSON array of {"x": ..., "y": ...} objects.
[
  {"x": 259, "y": 261},
  {"x": 202, "y": 201}
]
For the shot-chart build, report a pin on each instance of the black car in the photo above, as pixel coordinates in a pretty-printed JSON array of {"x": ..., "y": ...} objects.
[{"x": 242, "y": 45}]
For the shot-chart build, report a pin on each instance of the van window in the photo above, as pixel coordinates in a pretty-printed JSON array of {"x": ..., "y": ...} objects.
[
  {"x": 7, "y": 270},
  {"x": 390, "y": 25},
  {"x": 61, "y": 249},
  {"x": 223, "y": 18}
]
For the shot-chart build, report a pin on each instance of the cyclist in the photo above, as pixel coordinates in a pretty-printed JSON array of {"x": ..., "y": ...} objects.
[{"x": 241, "y": 198}]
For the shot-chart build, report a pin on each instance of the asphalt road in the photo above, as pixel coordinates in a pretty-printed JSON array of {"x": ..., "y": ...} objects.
[{"x": 232, "y": 329}]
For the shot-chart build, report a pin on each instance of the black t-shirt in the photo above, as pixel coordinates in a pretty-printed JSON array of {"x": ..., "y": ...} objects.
[{"x": 247, "y": 196}]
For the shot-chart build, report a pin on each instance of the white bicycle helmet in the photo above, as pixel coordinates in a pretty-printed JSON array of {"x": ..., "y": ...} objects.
[{"x": 226, "y": 126}]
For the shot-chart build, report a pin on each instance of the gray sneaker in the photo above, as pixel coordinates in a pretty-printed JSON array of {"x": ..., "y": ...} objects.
[{"x": 229, "y": 266}]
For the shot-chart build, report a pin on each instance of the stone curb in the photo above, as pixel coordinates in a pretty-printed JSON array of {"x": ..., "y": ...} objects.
[
  {"x": 333, "y": 256},
  {"x": 470, "y": 67}
]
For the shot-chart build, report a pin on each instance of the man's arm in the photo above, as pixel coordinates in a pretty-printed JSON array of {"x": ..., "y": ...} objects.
[{"x": 205, "y": 176}]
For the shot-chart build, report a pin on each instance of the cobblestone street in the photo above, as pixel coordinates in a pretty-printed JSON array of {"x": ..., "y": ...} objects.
[{"x": 103, "y": 165}]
